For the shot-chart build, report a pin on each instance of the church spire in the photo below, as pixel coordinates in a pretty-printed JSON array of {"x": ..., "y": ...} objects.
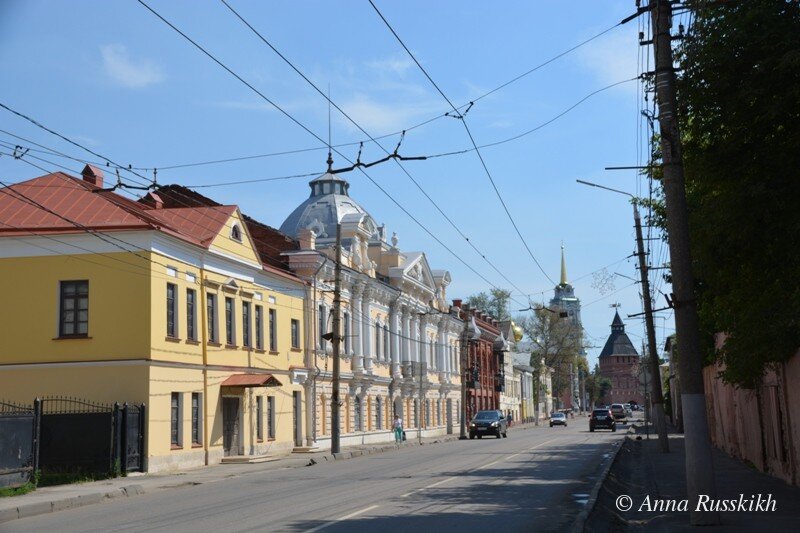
[{"x": 563, "y": 266}]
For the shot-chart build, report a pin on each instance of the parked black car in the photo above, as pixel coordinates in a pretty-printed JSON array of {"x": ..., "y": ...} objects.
[
  {"x": 602, "y": 418},
  {"x": 488, "y": 423}
]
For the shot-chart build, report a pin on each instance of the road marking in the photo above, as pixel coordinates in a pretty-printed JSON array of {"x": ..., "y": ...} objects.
[
  {"x": 340, "y": 519},
  {"x": 407, "y": 494}
]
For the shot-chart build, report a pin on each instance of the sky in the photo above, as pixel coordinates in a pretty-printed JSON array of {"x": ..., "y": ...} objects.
[{"x": 114, "y": 78}]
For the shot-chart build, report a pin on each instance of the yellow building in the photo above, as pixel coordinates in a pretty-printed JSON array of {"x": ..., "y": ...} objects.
[
  {"x": 400, "y": 348},
  {"x": 113, "y": 300}
]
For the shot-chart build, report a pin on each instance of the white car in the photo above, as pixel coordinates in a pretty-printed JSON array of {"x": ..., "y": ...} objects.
[{"x": 558, "y": 419}]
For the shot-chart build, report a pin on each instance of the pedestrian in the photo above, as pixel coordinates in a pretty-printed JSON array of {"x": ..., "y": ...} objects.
[
  {"x": 510, "y": 418},
  {"x": 398, "y": 429}
]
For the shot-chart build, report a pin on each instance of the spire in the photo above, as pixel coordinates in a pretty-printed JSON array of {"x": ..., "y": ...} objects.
[
  {"x": 563, "y": 266},
  {"x": 617, "y": 324}
]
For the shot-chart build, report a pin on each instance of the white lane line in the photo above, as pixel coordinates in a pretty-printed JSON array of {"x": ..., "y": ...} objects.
[
  {"x": 341, "y": 518},
  {"x": 407, "y": 494}
]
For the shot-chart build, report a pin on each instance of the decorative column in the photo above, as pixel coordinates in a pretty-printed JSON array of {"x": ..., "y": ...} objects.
[
  {"x": 394, "y": 344},
  {"x": 367, "y": 329},
  {"x": 442, "y": 355},
  {"x": 355, "y": 308},
  {"x": 405, "y": 341}
]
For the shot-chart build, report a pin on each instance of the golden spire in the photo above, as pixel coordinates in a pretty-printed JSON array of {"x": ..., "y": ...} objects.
[{"x": 563, "y": 266}]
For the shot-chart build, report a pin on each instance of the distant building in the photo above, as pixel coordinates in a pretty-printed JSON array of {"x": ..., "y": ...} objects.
[
  {"x": 569, "y": 306},
  {"x": 619, "y": 362}
]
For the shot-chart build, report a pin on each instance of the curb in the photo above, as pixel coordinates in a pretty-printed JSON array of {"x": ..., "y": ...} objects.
[
  {"x": 580, "y": 521},
  {"x": 73, "y": 502},
  {"x": 34, "y": 509}
]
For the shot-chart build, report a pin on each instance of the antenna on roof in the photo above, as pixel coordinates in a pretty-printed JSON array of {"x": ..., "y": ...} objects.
[
  {"x": 155, "y": 178},
  {"x": 330, "y": 155}
]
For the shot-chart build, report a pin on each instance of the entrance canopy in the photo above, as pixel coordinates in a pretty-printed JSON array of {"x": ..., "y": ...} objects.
[{"x": 251, "y": 380}]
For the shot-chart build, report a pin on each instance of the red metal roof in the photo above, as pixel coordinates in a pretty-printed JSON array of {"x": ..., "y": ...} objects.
[{"x": 251, "y": 380}]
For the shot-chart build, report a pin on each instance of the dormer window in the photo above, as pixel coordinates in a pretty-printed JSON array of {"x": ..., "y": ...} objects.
[{"x": 236, "y": 233}]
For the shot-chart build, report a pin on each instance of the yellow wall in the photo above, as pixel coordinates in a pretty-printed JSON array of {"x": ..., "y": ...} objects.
[{"x": 119, "y": 308}]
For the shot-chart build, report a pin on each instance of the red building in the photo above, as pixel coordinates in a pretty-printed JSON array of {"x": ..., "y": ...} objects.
[
  {"x": 483, "y": 369},
  {"x": 619, "y": 362}
]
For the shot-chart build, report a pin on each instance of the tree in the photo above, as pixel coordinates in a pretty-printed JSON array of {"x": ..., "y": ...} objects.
[
  {"x": 556, "y": 343},
  {"x": 597, "y": 386},
  {"x": 495, "y": 303},
  {"x": 739, "y": 100}
]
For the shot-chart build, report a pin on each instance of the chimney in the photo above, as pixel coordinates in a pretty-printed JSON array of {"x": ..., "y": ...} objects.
[
  {"x": 457, "y": 303},
  {"x": 92, "y": 175},
  {"x": 153, "y": 200},
  {"x": 307, "y": 239}
]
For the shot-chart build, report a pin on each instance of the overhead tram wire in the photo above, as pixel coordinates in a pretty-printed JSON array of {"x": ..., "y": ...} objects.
[
  {"x": 407, "y": 129},
  {"x": 471, "y": 138},
  {"x": 322, "y": 141},
  {"x": 357, "y": 125}
]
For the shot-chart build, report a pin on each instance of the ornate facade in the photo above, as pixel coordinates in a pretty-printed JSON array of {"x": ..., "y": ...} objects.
[{"x": 400, "y": 351}]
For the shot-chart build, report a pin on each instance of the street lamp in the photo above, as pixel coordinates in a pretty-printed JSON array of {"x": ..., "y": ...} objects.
[{"x": 471, "y": 333}]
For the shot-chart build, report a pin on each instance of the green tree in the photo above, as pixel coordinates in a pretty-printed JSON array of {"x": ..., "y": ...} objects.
[
  {"x": 739, "y": 107},
  {"x": 556, "y": 343},
  {"x": 495, "y": 303}
]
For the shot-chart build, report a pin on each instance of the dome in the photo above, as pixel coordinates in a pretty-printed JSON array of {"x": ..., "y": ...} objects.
[{"x": 328, "y": 203}]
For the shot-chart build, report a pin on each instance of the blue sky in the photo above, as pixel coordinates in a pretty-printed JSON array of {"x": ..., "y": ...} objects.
[{"x": 113, "y": 77}]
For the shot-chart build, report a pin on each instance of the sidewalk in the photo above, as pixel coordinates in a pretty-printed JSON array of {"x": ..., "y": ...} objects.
[
  {"x": 62, "y": 497},
  {"x": 640, "y": 470}
]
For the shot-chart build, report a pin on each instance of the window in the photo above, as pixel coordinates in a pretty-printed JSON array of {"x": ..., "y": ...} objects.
[
  {"x": 270, "y": 417},
  {"x": 211, "y": 311},
  {"x": 259, "y": 327},
  {"x": 74, "y": 320},
  {"x": 378, "y": 341},
  {"x": 378, "y": 413},
  {"x": 260, "y": 418},
  {"x": 197, "y": 434},
  {"x": 172, "y": 310},
  {"x": 246, "y": 324},
  {"x": 230, "y": 319},
  {"x": 321, "y": 323},
  {"x": 236, "y": 233},
  {"x": 295, "y": 333},
  {"x": 273, "y": 330},
  {"x": 386, "y": 342},
  {"x": 175, "y": 420},
  {"x": 347, "y": 333},
  {"x": 191, "y": 314},
  {"x": 357, "y": 414},
  {"x": 431, "y": 355}
]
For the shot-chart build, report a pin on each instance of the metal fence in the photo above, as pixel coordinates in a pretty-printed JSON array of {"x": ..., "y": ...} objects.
[
  {"x": 19, "y": 443},
  {"x": 69, "y": 435}
]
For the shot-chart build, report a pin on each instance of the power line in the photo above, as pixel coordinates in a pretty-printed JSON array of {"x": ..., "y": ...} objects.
[
  {"x": 322, "y": 141},
  {"x": 471, "y": 138},
  {"x": 356, "y": 124}
]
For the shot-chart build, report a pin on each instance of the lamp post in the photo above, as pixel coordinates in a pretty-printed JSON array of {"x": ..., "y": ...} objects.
[
  {"x": 470, "y": 333},
  {"x": 656, "y": 396}
]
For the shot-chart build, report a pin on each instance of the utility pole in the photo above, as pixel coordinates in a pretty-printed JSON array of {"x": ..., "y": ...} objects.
[
  {"x": 699, "y": 461},
  {"x": 656, "y": 397},
  {"x": 336, "y": 338},
  {"x": 464, "y": 374}
]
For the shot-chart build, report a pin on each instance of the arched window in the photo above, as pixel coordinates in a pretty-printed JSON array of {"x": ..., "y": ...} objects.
[
  {"x": 236, "y": 233},
  {"x": 357, "y": 414}
]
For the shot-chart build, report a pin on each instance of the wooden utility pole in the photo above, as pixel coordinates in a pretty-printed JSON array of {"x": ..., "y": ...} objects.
[
  {"x": 699, "y": 461},
  {"x": 336, "y": 339},
  {"x": 656, "y": 397}
]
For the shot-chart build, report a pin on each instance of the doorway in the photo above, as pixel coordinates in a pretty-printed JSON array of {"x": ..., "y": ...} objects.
[
  {"x": 449, "y": 414},
  {"x": 231, "y": 441},
  {"x": 297, "y": 418}
]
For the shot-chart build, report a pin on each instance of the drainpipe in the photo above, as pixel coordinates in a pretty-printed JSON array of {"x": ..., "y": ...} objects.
[
  {"x": 311, "y": 405},
  {"x": 204, "y": 348}
]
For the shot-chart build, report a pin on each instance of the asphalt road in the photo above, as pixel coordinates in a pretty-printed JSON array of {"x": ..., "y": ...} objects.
[{"x": 537, "y": 479}]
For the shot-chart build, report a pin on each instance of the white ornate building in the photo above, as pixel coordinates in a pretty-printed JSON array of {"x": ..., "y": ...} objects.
[{"x": 400, "y": 350}]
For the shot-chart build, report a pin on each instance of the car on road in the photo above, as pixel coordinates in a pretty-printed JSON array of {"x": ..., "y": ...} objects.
[
  {"x": 618, "y": 411},
  {"x": 602, "y": 419},
  {"x": 488, "y": 423},
  {"x": 558, "y": 419}
]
